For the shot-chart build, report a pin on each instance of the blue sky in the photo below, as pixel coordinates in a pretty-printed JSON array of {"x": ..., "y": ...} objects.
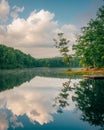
[
  {"x": 66, "y": 11},
  {"x": 30, "y": 25}
]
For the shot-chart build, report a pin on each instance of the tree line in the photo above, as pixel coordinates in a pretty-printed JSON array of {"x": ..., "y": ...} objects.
[{"x": 11, "y": 58}]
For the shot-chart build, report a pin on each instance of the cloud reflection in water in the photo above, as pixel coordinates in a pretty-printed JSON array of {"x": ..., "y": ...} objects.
[{"x": 33, "y": 99}]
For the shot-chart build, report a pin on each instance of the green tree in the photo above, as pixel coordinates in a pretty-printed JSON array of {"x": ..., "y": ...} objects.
[
  {"x": 62, "y": 44},
  {"x": 11, "y": 58},
  {"x": 90, "y": 47}
]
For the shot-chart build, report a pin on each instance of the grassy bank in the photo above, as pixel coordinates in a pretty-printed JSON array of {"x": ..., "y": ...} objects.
[{"x": 85, "y": 72}]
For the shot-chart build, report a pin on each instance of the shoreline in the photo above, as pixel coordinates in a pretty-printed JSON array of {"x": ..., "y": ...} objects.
[{"x": 85, "y": 72}]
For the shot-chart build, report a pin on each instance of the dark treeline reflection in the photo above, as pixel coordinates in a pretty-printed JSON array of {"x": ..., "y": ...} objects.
[
  {"x": 88, "y": 97},
  {"x": 13, "y": 78},
  {"x": 10, "y": 79}
]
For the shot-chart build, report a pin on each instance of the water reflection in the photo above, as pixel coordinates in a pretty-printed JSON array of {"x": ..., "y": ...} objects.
[
  {"x": 62, "y": 99},
  {"x": 10, "y": 79},
  {"x": 90, "y": 100},
  {"x": 13, "y": 78},
  {"x": 32, "y": 99},
  {"x": 30, "y": 105},
  {"x": 88, "y": 97}
]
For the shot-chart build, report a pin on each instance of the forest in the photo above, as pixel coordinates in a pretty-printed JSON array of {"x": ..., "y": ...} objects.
[{"x": 11, "y": 58}]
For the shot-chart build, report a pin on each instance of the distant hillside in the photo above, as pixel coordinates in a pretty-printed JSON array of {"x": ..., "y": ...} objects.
[
  {"x": 11, "y": 58},
  {"x": 57, "y": 62}
]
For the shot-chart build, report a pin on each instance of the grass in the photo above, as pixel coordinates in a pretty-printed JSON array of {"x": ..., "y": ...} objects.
[{"x": 85, "y": 72}]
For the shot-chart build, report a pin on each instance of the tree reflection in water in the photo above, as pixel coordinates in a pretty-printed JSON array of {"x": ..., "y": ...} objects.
[
  {"x": 62, "y": 99},
  {"x": 12, "y": 78},
  {"x": 89, "y": 98}
]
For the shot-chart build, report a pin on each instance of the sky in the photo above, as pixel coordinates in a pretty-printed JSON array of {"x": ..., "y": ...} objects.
[{"x": 31, "y": 25}]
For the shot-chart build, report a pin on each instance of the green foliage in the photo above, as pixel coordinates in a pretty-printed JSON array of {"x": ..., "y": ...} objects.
[
  {"x": 90, "y": 47},
  {"x": 62, "y": 45},
  {"x": 57, "y": 62},
  {"x": 11, "y": 59},
  {"x": 51, "y": 62}
]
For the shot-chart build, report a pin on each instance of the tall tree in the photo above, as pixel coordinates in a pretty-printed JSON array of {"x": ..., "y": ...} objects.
[
  {"x": 62, "y": 44},
  {"x": 90, "y": 47}
]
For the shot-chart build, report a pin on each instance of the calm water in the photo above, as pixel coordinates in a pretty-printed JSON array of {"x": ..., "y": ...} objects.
[{"x": 40, "y": 99}]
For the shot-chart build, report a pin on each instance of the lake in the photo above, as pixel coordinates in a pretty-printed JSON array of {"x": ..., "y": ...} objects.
[{"x": 41, "y": 99}]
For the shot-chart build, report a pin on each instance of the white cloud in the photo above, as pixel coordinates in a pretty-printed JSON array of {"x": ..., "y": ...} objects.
[
  {"x": 37, "y": 31},
  {"x": 70, "y": 31},
  {"x": 4, "y": 10},
  {"x": 16, "y": 10}
]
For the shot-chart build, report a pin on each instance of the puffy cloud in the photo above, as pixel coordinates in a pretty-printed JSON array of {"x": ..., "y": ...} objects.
[
  {"x": 37, "y": 31},
  {"x": 70, "y": 31},
  {"x": 34, "y": 30},
  {"x": 16, "y": 10},
  {"x": 4, "y": 10}
]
